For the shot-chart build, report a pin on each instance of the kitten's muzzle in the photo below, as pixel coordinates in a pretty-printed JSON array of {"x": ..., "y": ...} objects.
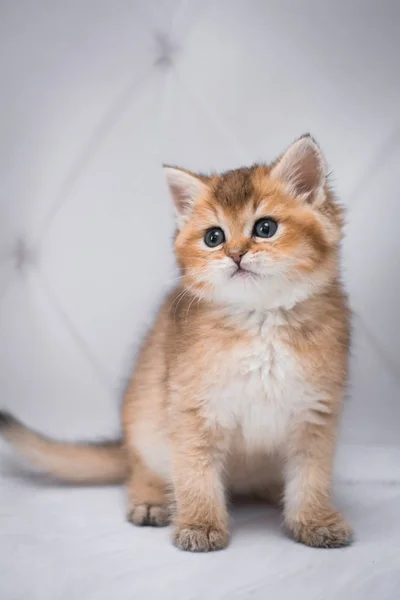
[{"x": 237, "y": 256}]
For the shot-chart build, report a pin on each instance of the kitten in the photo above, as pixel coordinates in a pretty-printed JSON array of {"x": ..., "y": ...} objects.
[{"x": 239, "y": 385}]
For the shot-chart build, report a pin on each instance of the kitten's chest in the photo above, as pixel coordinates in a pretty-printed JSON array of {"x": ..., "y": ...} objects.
[{"x": 261, "y": 389}]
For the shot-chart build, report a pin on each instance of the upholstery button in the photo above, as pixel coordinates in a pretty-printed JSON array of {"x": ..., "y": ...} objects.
[
  {"x": 166, "y": 49},
  {"x": 23, "y": 254}
]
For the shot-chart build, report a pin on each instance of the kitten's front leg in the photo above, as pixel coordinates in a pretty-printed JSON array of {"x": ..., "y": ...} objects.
[
  {"x": 308, "y": 509},
  {"x": 201, "y": 520}
]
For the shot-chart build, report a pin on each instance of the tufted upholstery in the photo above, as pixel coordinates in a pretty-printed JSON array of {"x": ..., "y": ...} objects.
[{"x": 95, "y": 95}]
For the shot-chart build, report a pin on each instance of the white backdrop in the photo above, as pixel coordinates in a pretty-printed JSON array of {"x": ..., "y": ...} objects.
[{"x": 95, "y": 95}]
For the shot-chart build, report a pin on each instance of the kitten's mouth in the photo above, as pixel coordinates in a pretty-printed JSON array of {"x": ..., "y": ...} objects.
[{"x": 243, "y": 273}]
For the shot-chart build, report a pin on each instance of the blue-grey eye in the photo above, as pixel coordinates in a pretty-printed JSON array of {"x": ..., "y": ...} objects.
[
  {"x": 265, "y": 228},
  {"x": 214, "y": 237}
]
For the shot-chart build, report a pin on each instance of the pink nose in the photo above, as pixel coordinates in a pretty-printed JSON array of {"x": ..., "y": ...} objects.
[{"x": 236, "y": 257}]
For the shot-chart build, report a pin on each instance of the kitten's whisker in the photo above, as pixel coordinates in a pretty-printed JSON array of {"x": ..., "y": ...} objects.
[
  {"x": 190, "y": 304},
  {"x": 186, "y": 290}
]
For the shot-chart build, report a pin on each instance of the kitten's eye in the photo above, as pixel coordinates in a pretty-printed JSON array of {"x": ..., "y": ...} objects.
[
  {"x": 265, "y": 228},
  {"x": 214, "y": 237}
]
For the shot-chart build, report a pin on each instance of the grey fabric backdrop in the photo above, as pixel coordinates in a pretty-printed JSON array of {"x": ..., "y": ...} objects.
[{"x": 95, "y": 95}]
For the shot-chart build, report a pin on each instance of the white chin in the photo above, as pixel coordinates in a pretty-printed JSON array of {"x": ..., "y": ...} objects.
[{"x": 260, "y": 293}]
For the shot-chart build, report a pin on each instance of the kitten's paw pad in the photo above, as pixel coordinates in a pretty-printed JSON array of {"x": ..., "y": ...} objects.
[
  {"x": 149, "y": 515},
  {"x": 200, "y": 539},
  {"x": 330, "y": 532}
]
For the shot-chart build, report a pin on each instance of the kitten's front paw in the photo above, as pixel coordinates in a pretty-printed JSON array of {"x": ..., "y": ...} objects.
[
  {"x": 330, "y": 531},
  {"x": 200, "y": 538}
]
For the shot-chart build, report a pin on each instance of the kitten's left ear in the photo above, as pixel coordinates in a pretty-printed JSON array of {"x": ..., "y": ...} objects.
[
  {"x": 302, "y": 169},
  {"x": 185, "y": 189}
]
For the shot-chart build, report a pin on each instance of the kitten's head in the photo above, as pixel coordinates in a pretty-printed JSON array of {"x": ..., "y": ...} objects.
[{"x": 258, "y": 237}]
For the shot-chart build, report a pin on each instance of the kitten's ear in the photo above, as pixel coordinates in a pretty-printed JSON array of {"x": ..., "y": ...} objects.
[
  {"x": 185, "y": 188},
  {"x": 302, "y": 169}
]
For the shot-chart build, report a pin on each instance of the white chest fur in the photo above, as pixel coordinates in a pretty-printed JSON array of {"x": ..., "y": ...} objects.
[{"x": 260, "y": 389}]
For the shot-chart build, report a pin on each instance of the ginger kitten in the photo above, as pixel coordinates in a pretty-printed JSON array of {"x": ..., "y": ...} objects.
[{"x": 239, "y": 385}]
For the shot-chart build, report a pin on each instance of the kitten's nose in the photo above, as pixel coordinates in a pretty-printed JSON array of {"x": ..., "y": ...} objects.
[{"x": 237, "y": 256}]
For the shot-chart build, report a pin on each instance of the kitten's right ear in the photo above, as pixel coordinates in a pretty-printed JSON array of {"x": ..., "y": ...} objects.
[
  {"x": 185, "y": 189},
  {"x": 302, "y": 169}
]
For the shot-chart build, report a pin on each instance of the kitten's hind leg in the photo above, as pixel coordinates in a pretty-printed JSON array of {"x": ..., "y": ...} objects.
[
  {"x": 147, "y": 497},
  {"x": 271, "y": 494}
]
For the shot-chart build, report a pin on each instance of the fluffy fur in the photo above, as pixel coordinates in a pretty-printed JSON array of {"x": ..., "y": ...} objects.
[{"x": 239, "y": 385}]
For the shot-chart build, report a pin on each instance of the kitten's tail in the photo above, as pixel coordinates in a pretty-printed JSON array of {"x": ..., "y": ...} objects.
[{"x": 74, "y": 463}]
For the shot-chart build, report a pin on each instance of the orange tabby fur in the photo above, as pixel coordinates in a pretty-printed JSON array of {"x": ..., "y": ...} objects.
[{"x": 239, "y": 385}]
